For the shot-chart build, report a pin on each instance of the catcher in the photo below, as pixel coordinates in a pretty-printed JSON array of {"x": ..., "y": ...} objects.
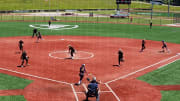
[{"x": 93, "y": 89}]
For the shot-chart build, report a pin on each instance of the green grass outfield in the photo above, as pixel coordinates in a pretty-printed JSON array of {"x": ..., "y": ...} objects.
[
  {"x": 12, "y": 98},
  {"x": 73, "y": 4},
  {"x": 8, "y": 82},
  {"x": 168, "y": 75},
  {"x": 169, "y": 34},
  {"x": 158, "y": 33}
]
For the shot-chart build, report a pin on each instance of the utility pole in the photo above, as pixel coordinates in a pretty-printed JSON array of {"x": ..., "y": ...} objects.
[
  {"x": 152, "y": 10},
  {"x": 168, "y": 7}
]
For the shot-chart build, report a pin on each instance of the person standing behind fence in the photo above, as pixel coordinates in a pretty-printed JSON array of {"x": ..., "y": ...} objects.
[
  {"x": 49, "y": 23},
  {"x": 150, "y": 24}
]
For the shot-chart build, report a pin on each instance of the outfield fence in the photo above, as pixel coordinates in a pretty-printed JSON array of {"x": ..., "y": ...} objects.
[{"x": 85, "y": 17}]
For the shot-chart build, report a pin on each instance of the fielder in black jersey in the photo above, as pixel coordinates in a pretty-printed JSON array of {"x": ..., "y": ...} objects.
[
  {"x": 150, "y": 24},
  {"x": 21, "y": 44},
  {"x": 71, "y": 51},
  {"x": 49, "y": 22},
  {"x": 24, "y": 57},
  {"x": 143, "y": 45},
  {"x": 39, "y": 36},
  {"x": 34, "y": 32},
  {"x": 120, "y": 56},
  {"x": 164, "y": 46},
  {"x": 81, "y": 73}
]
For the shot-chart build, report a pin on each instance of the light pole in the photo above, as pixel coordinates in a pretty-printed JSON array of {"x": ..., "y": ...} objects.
[
  {"x": 152, "y": 10},
  {"x": 168, "y": 6}
]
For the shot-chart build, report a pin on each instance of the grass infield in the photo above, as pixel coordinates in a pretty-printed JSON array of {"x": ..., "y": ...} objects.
[
  {"x": 12, "y": 98},
  {"x": 8, "y": 82},
  {"x": 168, "y": 75},
  {"x": 170, "y": 95}
]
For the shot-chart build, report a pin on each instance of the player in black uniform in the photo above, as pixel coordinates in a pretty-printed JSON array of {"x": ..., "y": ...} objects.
[
  {"x": 143, "y": 45},
  {"x": 39, "y": 36},
  {"x": 150, "y": 24},
  {"x": 49, "y": 22},
  {"x": 81, "y": 73},
  {"x": 120, "y": 56},
  {"x": 164, "y": 46},
  {"x": 24, "y": 57},
  {"x": 21, "y": 44},
  {"x": 71, "y": 51},
  {"x": 34, "y": 32}
]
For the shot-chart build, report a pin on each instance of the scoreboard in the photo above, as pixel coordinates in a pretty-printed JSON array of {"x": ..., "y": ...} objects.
[{"x": 123, "y": 1}]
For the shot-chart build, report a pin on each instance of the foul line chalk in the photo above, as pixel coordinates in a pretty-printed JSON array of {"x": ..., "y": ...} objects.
[
  {"x": 132, "y": 73},
  {"x": 43, "y": 78},
  {"x": 118, "y": 99},
  {"x": 75, "y": 94}
]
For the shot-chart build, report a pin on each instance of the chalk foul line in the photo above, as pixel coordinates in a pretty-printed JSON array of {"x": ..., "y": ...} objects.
[
  {"x": 30, "y": 75},
  {"x": 132, "y": 73}
]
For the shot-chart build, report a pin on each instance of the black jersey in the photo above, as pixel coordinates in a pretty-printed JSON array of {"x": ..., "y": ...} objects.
[
  {"x": 143, "y": 42},
  {"x": 164, "y": 44},
  {"x": 21, "y": 43},
  {"x": 120, "y": 53},
  {"x": 24, "y": 55},
  {"x": 49, "y": 22},
  {"x": 71, "y": 49},
  {"x": 35, "y": 30},
  {"x": 39, "y": 35}
]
